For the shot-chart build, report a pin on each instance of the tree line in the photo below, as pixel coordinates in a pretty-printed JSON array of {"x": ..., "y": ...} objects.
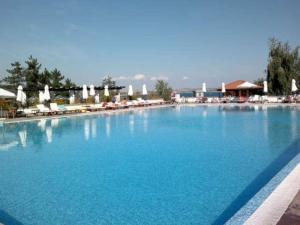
[
  {"x": 32, "y": 77},
  {"x": 283, "y": 66}
]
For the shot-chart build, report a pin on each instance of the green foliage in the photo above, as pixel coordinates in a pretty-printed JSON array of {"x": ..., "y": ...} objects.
[
  {"x": 259, "y": 81},
  {"x": 45, "y": 78},
  {"x": 15, "y": 76},
  {"x": 163, "y": 90},
  {"x": 284, "y": 65},
  {"x": 32, "y": 73},
  {"x": 56, "y": 79},
  {"x": 108, "y": 81},
  {"x": 68, "y": 83},
  {"x": 32, "y": 78}
]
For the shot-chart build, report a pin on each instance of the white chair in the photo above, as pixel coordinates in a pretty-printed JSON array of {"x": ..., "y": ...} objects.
[
  {"x": 43, "y": 109},
  {"x": 54, "y": 108}
]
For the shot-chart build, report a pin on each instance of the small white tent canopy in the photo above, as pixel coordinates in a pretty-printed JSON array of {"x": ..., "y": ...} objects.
[
  {"x": 46, "y": 93},
  {"x": 265, "y": 87},
  {"x": 144, "y": 90},
  {"x": 85, "y": 93},
  {"x": 223, "y": 87},
  {"x": 6, "y": 94},
  {"x": 106, "y": 92},
  {"x": 130, "y": 90},
  {"x": 294, "y": 87},
  {"x": 203, "y": 87}
]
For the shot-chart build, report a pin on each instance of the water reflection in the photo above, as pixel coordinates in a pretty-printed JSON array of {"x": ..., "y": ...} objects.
[
  {"x": 86, "y": 129},
  {"x": 293, "y": 123},
  {"x": 49, "y": 134},
  {"x": 145, "y": 121},
  {"x": 131, "y": 123},
  {"x": 42, "y": 124},
  {"x": 23, "y": 137},
  {"x": 204, "y": 112},
  {"x": 34, "y": 135},
  {"x": 107, "y": 126},
  {"x": 94, "y": 128},
  {"x": 55, "y": 122}
]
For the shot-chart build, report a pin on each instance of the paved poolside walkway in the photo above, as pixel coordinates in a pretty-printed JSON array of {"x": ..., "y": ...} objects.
[
  {"x": 275, "y": 206},
  {"x": 105, "y": 112},
  {"x": 292, "y": 214},
  {"x": 24, "y": 119}
]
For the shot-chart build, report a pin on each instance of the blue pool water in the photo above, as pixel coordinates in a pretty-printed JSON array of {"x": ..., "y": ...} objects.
[{"x": 175, "y": 165}]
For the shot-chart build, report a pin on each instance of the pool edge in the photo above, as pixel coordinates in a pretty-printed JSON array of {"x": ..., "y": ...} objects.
[{"x": 257, "y": 201}]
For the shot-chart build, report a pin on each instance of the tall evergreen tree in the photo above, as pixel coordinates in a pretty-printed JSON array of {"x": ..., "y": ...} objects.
[
  {"x": 108, "y": 81},
  {"x": 68, "y": 84},
  {"x": 15, "y": 76},
  {"x": 56, "y": 79},
  {"x": 32, "y": 73},
  {"x": 284, "y": 65},
  {"x": 45, "y": 78}
]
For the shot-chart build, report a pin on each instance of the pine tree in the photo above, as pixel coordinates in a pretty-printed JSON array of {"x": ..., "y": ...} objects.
[
  {"x": 45, "y": 78},
  {"x": 56, "y": 79},
  {"x": 32, "y": 73},
  {"x": 16, "y": 76}
]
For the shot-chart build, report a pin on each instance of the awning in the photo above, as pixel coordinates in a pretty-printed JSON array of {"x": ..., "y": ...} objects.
[{"x": 6, "y": 94}]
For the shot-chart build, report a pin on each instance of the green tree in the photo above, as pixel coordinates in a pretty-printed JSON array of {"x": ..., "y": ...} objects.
[
  {"x": 108, "y": 81},
  {"x": 259, "y": 81},
  {"x": 45, "y": 78},
  {"x": 68, "y": 84},
  {"x": 283, "y": 66},
  {"x": 56, "y": 79},
  {"x": 15, "y": 76},
  {"x": 32, "y": 73},
  {"x": 163, "y": 90}
]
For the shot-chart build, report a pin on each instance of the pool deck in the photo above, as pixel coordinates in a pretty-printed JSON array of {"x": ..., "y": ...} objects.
[
  {"x": 116, "y": 111},
  {"x": 275, "y": 206},
  {"x": 103, "y": 112},
  {"x": 292, "y": 214}
]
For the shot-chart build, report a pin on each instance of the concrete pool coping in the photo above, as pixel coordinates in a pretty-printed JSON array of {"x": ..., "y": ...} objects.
[
  {"x": 249, "y": 209},
  {"x": 272, "y": 209}
]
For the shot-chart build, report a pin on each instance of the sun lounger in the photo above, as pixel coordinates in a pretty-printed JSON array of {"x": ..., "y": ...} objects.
[
  {"x": 140, "y": 102},
  {"x": 111, "y": 105},
  {"x": 30, "y": 111},
  {"x": 44, "y": 110},
  {"x": 254, "y": 99},
  {"x": 132, "y": 103},
  {"x": 74, "y": 108},
  {"x": 121, "y": 105},
  {"x": 54, "y": 107},
  {"x": 97, "y": 107},
  {"x": 156, "y": 101}
]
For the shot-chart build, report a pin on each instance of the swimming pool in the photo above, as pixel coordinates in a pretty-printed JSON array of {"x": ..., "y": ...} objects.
[{"x": 174, "y": 165}]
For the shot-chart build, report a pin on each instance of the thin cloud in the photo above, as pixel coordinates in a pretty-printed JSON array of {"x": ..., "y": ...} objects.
[
  {"x": 139, "y": 77},
  {"x": 135, "y": 77},
  {"x": 185, "y": 78},
  {"x": 159, "y": 78},
  {"x": 121, "y": 78}
]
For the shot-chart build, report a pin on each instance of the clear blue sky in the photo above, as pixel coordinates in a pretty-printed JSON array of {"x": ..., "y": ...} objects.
[{"x": 186, "y": 42}]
